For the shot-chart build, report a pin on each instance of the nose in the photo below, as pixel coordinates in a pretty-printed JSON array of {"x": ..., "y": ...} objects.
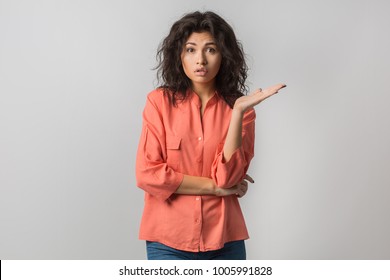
[{"x": 201, "y": 59}]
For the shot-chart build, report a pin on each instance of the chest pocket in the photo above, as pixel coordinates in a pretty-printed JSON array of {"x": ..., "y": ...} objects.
[{"x": 173, "y": 151}]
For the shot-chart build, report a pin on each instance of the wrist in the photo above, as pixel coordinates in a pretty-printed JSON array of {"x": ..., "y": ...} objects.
[{"x": 238, "y": 112}]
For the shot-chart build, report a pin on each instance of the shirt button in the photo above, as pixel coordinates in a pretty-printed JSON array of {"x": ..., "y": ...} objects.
[
  {"x": 199, "y": 138},
  {"x": 197, "y": 198}
]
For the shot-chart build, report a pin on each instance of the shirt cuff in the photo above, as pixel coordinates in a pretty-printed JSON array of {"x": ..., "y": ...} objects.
[
  {"x": 226, "y": 174},
  {"x": 160, "y": 183}
]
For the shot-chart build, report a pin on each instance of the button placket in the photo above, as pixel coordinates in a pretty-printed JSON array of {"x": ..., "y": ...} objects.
[{"x": 198, "y": 217}]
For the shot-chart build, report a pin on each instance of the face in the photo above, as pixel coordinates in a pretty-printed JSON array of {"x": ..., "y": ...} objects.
[{"x": 201, "y": 59}]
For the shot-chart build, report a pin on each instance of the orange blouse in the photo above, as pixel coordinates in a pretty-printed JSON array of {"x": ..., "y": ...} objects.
[{"x": 176, "y": 140}]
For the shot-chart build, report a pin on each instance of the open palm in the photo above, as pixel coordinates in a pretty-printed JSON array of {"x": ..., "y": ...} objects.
[{"x": 249, "y": 101}]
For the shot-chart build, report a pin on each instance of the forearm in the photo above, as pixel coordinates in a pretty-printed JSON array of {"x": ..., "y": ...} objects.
[
  {"x": 196, "y": 186},
  {"x": 243, "y": 104},
  {"x": 234, "y": 136},
  {"x": 193, "y": 185}
]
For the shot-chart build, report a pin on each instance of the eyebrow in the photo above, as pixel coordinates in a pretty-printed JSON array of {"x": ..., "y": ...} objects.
[{"x": 207, "y": 44}]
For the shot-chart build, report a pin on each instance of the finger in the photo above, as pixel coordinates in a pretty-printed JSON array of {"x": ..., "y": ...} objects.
[
  {"x": 240, "y": 194},
  {"x": 243, "y": 183},
  {"x": 249, "y": 178},
  {"x": 264, "y": 94},
  {"x": 238, "y": 191},
  {"x": 274, "y": 89},
  {"x": 269, "y": 91},
  {"x": 258, "y": 91},
  {"x": 241, "y": 191}
]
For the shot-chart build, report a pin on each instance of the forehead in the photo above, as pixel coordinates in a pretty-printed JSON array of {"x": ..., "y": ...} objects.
[{"x": 201, "y": 37}]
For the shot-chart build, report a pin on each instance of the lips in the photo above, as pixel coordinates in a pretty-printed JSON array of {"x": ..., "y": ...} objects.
[{"x": 201, "y": 71}]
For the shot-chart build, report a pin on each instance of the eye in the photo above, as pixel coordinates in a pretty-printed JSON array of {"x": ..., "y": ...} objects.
[
  {"x": 211, "y": 50},
  {"x": 190, "y": 50}
]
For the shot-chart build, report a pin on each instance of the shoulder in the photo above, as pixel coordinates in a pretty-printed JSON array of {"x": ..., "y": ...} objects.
[
  {"x": 158, "y": 98},
  {"x": 156, "y": 95}
]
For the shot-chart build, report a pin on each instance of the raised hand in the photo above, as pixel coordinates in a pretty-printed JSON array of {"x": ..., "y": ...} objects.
[{"x": 249, "y": 101}]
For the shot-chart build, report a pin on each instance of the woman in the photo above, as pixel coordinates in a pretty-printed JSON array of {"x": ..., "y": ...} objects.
[{"x": 196, "y": 144}]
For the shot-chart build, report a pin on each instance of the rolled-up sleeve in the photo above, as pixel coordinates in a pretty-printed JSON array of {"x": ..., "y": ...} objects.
[
  {"x": 153, "y": 174},
  {"x": 229, "y": 173}
]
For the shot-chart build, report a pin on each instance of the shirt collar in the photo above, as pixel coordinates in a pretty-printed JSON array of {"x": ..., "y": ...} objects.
[{"x": 195, "y": 99}]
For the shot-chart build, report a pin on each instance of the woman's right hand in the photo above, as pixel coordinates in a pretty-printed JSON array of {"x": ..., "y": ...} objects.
[{"x": 240, "y": 189}]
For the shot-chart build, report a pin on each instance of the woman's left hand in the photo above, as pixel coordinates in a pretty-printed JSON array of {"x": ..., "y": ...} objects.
[{"x": 249, "y": 101}]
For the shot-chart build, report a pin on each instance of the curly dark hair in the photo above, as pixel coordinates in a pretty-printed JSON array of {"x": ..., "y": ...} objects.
[{"x": 230, "y": 80}]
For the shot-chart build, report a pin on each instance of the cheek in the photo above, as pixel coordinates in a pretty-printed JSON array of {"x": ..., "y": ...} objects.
[
  {"x": 184, "y": 61},
  {"x": 184, "y": 64},
  {"x": 217, "y": 60},
  {"x": 217, "y": 65}
]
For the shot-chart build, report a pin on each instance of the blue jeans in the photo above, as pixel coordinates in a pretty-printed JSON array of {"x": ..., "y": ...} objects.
[{"x": 234, "y": 250}]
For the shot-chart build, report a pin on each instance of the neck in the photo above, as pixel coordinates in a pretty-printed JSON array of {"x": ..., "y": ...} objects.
[{"x": 205, "y": 92}]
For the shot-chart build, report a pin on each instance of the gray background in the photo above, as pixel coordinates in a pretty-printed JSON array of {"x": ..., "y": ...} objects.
[{"x": 73, "y": 80}]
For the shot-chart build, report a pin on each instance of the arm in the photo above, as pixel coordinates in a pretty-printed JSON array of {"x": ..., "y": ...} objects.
[
  {"x": 154, "y": 175},
  {"x": 196, "y": 185},
  {"x": 205, "y": 186},
  {"x": 234, "y": 155},
  {"x": 243, "y": 104}
]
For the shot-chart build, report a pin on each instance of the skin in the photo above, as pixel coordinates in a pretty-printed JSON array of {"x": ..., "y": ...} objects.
[{"x": 201, "y": 53}]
